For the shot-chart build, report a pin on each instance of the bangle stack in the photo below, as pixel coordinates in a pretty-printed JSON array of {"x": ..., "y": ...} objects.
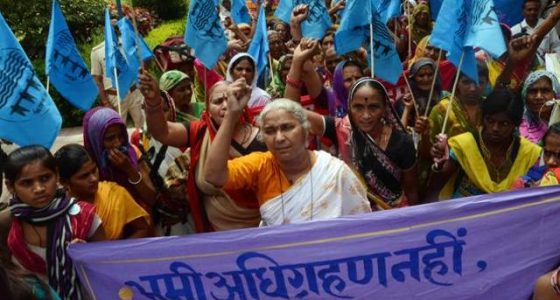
[
  {"x": 294, "y": 83},
  {"x": 137, "y": 181},
  {"x": 148, "y": 107}
]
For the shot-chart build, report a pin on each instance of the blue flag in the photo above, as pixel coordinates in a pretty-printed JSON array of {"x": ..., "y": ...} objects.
[
  {"x": 258, "y": 48},
  {"x": 388, "y": 9},
  {"x": 318, "y": 19},
  {"x": 115, "y": 61},
  {"x": 28, "y": 115},
  {"x": 450, "y": 33},
  {"x": 129, "y": 45},
  {"x": 239, "y": 12},
  {"x": 484, "y": 28},
  {"x": 509, "y": 12},
  {"x": 354, "y": 32},
  {"x": 64, "y": 65},
  {"x": 205, "y": 33}
]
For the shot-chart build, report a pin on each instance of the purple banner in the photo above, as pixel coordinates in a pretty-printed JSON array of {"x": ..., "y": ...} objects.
[{"x": 492, "y": 246}]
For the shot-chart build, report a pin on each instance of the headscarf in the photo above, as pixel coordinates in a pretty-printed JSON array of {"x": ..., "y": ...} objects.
[
  {"x": 420, "y": 48},
  {"x": 259, "y": 97},
  {"x": 417, "y": 32},
  {"x": 170, "y": 79},
  {"x": 531, "y": 79},
  {"x": 422, "y": 101},
  {"x": 60, "y": 232},
  {"x": 341, "y": 105},
  {"x": 381, "y": 174},
  {"x": 278, "y": 84},
  {"x": 95, "y": 124}
]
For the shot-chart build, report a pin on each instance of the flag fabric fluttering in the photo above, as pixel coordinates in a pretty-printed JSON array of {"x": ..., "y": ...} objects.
[
  {"x": 28, "y": 115},
  {"x": 509, "y": 12},
  {"x": 205, "y": 33},
  {"x": 318, "y": 19},
  {"x": 258, "y": 48},
  {"x": 388, "y": 9},
  {"x": 464, "y": 26},
  {"x": 129, "y": 44},
  {"x": 116, "y": 62},
  {"x": 239, "y": 12},
  {"x": 65, "y": 66},
  {"x": 354, "y": 32}
]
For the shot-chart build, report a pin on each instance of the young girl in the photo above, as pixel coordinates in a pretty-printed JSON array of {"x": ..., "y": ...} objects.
[
  {"x": 44, "y": 220},
  {"x": 122, "y": 217}
]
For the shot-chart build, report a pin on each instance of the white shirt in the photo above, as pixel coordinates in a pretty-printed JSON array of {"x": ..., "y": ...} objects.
[{"x": 550, "y": 43}]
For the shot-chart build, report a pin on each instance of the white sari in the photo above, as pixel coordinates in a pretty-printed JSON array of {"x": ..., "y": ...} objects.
[{"x": 329, "y": 190}]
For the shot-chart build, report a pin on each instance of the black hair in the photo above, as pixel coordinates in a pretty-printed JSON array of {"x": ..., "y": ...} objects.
[
  {"x": 355, "y": 63},
  {"x": 504, "y": 100},
  {"x": 238, "y": 61},
  {"x": 552, "y": 129},
  {"x": 527, "y": 1},
  {"x": 23, "y": 156},
  {"x": 70, "y": 159}
]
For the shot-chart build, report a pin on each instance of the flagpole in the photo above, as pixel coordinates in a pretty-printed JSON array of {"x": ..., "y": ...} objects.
[
  {"x": 371, "y": 49},
  {"x": 48, "y": 83},
  {"x": 407, "y": 8},
  {"x": 433, "y": 85},
  {"x": 270, "y": 65},
  {"x": 138, "y": 53},
  {"x": 118, "y": 90},
  {"x": 411, "y": 94},
  {"x": 453, "y": 92}
]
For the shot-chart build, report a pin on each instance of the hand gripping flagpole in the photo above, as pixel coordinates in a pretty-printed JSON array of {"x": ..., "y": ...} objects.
[
  {"x": 433, "y": 84},
  {"x": 436, "y": 165},
  {"x": 412, "y": 95}
]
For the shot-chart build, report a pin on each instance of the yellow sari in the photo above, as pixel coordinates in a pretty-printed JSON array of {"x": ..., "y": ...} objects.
[
  {"x": 116, "y": 208},
  {"x": 472, "y": 163}
]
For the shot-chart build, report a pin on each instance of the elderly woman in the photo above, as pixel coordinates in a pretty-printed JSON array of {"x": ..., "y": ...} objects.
[
  {"x": 106, "y": 139},
  {"x": 540, "y": 87},
  {"x": 243, "y": 65},
  {"x": 178, "y": 87},
  {"x": 292, "y": 184},
  {"x": 490, "y": 160},
  {"x": 211, "y": 208},
  {"x": 421, "y": 24},
  {"x": 420, "y": 77}
]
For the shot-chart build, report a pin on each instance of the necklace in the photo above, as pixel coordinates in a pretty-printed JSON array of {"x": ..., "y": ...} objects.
[
  {"x": 246, "y": 134},
  {"x": 284, "y": 220}
]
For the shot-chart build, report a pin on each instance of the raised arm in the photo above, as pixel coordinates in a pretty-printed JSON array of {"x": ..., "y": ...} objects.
[
  {"x": 168, "y": 133},
  {"x": 215, "y": 170},
  {"x": 302, "y": 71}
]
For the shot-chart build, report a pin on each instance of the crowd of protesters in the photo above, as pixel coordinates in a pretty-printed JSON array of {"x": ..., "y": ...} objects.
[{"x": 313, "y": 137}]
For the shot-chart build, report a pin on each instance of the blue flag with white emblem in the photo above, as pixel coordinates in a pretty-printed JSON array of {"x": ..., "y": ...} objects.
[
  {"x": 450, "y": 32},
  {"x": 116, "y": 62},
  {"x": 388, "y": 9},
  {"x": 509, "y": 12},
  {"x": 239, "y": 12},
  {"x": 28, "y": 115},
  {"x": 465, "y": 25},
  {"x": 205, "y": 33},
  {"x": 318, "y": 19},
  {"x": 129, "y": 41},
  {"x": 354, "y": 32},
  {"x": 258, "y": 48},
  {"x": 64, "y": 65}
]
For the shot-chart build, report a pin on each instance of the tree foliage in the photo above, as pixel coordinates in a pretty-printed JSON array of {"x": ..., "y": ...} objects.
[{"x": 30, "y": 21}]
